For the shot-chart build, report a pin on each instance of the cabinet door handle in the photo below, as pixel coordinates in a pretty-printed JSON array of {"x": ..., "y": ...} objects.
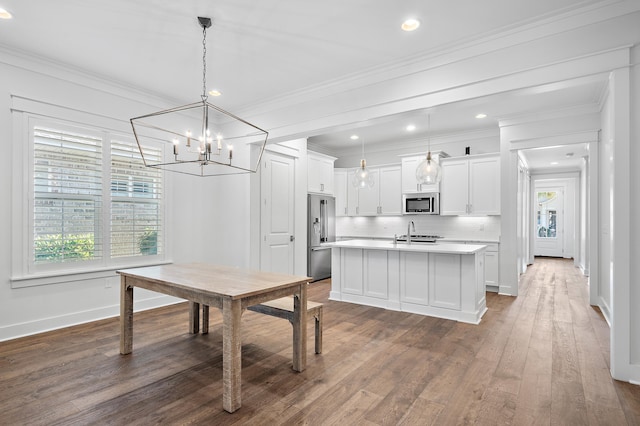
[
  {"x": 322, "y": 187},
  {"x": 358, "y": 210},
  {"x": 345, "y": 210},
  {"x": 470, "y": 208}
]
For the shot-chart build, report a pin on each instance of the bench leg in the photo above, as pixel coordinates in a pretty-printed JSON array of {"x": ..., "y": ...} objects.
[{"x": 318, "y": 318}]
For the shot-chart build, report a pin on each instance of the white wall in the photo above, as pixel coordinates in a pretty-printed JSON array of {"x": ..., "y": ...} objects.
[
  {"x": 199, "y": 210},
  {"x": 605, "y": 190},
  {"x": 634, "y": 230},
  {"x": 583, "y": 213}
]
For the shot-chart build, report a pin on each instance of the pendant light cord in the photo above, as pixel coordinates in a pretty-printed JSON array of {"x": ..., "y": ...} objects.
[{"x": 429, "y": 132}]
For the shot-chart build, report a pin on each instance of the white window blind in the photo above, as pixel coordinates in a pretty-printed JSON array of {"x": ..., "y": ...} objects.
[
  {"x": 67, "y": 196},
  {"x": 94, "y": 201},
  {"x": 136, "y": 209}
]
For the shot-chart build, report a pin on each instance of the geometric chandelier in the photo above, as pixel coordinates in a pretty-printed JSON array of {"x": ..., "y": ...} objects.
[{"x": 201, "y": 139}]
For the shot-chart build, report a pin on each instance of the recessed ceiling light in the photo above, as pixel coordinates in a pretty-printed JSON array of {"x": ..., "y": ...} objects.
[
  {"x": 411, "y": 128},
  {"x": 410, "y": 25},
  {"x": 354, "y": 137},
  {"x": 215, "y": 92},
  {"x": 481, "y": 115},
  {"x": 5, "y": 14},
  {"x": 553, "y": 163}
]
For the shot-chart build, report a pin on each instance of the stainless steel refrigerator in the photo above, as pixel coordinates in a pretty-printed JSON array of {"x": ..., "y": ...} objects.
[{"x": 321, "y": 226}]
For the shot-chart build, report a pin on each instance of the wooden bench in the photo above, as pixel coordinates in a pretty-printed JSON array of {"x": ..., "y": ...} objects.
[{"x": 281, "y": 308}]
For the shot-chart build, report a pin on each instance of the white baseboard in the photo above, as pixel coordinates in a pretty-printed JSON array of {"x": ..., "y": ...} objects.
[
  {"x": 606, "y": 311},
  {"x": 29, "y": 328}
]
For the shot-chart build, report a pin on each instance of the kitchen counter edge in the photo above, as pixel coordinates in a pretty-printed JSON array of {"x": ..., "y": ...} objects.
[{"x": 450, "y": 248}]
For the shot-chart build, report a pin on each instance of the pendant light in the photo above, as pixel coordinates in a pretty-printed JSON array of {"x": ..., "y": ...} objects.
[
  {"x": 361, "y": 177},
  {"x": 200, "y": 138},
  {"x": 428, "y": 171}
]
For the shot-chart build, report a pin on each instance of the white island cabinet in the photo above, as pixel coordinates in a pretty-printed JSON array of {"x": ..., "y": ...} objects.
[{"x": 440, "y": 280}]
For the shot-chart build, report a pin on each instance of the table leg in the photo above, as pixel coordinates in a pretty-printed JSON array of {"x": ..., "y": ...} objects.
[
  {"x": 231, "y": 354},
  {"x": 126, "y": 317},
  {"x": 205, "y": 319},
  {"x": 300, "y": 328},
  {"x": 194, "y": 317}
]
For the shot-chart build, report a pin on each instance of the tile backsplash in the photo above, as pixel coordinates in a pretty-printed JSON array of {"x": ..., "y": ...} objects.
[{"x": 453, "y": 227}]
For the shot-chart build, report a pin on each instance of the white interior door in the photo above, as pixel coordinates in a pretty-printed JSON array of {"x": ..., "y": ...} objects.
[
  {"x": 277, "y": 213},
  {"x": 549, "y": 220}
]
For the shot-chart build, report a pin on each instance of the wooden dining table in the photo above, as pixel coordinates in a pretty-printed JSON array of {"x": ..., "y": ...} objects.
[{"x": 228, "y": 288}]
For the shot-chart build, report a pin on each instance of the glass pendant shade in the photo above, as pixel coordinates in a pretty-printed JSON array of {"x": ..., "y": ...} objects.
[
  {"x": 428, "y": 171},
  {"x": 361, "y": 178}
]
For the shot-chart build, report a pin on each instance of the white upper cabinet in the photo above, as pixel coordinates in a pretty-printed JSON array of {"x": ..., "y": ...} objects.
[
  {"x": 390, "y": 201},
  {"x": 340, "y": 191},
  {"x": 384, "y": 198},
  {"x": 470, "y": 186},
  {"x": 409, "y": 166},
  {"x": 320, "y": 173},
  {"x": 484, "y": 185}
]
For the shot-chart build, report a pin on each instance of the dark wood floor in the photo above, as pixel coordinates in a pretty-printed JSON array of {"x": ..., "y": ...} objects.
[{"x": 540, "y": 358}]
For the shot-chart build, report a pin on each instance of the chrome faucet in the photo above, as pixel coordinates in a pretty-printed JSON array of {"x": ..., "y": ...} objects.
[{"x": 409, "y": 226}]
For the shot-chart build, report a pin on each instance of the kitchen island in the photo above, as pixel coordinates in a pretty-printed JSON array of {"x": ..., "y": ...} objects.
[{"x": 440, "y": 280}]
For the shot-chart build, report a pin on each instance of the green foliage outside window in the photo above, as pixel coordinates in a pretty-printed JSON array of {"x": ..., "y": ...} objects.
[
  {"x": 149, "y": 242},
  {"x": 72, "y": 247}
]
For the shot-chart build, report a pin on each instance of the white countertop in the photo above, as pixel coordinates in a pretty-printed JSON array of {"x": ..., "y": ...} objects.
[
  {"x": 440, "y": 240},
  {"x": 415, "y": 247}
]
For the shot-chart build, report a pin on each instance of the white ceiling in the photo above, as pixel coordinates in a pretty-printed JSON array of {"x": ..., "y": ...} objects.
[
  {"x": 259, "y": 51},
  {"x": 555, "y": 158}
]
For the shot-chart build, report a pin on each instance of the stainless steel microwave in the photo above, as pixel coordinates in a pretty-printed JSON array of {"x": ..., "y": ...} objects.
[{"x": 421, "y": 203}]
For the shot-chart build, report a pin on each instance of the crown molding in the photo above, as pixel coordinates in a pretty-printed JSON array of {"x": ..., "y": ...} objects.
[{"x": 80, "y": 76}]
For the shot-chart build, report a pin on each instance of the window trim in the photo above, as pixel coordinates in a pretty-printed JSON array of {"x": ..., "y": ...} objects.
[{"x": 23, "y": 274}]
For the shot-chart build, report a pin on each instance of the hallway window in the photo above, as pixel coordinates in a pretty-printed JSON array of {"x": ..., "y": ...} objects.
[{"x": 547, "y": 215}]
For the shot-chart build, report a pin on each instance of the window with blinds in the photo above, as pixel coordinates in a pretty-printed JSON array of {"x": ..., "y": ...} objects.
[
  {"x": 136, "y": 191},
  {"x": 74, "y": 185},
  {"x": 67, "y": 196}
]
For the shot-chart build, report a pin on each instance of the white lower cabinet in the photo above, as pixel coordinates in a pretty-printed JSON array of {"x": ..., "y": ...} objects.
[
  {"x": 414, "y": 278},
  {"x": 491, "y": 266},
  {"x": 444, "y": 277},
  {"x": 351, "y": 267},
  {"x": 375, "y": 270},
  {"x": 444, "y": 285}
]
